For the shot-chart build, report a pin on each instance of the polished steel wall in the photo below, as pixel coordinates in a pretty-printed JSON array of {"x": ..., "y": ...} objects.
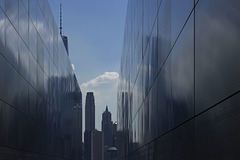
[
  {"x": 38, "y": 89},
  {"x": 178, "y": 94}
]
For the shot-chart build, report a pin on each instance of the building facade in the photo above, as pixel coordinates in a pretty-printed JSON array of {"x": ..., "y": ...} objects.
[
  {"x": 89, "y": 124},
  {"x": 87, "y": 145},
  {"x": 38, "y": 88},
  {"x": 96, "y": 145},
  {"x": 77, "y": 126},
  {"x": 178, "y": 95},
  {"x": 114, "y": 133},
  {"x": 90, "y": 112},
  {"x": 107, "y": 128}
]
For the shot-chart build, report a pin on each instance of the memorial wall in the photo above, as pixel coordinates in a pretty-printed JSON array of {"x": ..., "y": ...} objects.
[
  {"x": 178, "y": 94},
  {"x": 38, "y": 88}
]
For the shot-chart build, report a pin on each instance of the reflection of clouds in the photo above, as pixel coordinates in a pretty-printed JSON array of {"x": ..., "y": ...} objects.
[
  {"x": 73, "y": 67},
  {"x": 182, "y": 75},
  {"x": 2, "y": 20},
  {"x": 182, "y": 65},
  {"x": 2, "y": 28},
  {"x": 217, "y": 51},
  {"x": 50, "y": 98}
]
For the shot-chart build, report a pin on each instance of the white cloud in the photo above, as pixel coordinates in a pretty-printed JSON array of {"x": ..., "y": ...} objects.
[
  {"x": 105, "y": 93},
  {"x": 102, "y": 80}
]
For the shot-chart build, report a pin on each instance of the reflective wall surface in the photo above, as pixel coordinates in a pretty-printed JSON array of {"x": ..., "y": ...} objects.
[
  {"x": 178, "y": 94},
  {"x": 39, "y": 93}
]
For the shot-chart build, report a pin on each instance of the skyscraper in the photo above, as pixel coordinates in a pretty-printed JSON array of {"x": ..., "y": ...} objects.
[
  {"x": 114, "y": 133},
  {"x": 89, "y": 124},
  {"x": 77, "y": 125},
  {"x": 90, "y": 112},
  {"x": 179, "y": 87},
  {"x": 107, "y": 125},
  {"x": 96, "y": 145}
]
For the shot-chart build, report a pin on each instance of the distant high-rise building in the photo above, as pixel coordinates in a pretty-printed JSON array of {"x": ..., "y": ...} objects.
[
  {"x": 89, "y": 124},
  {"x": 111, "y": 153},
  {"x": 77, "y": 125},
  {"x": 96, "y": 145},
  {"x": 114, "y": 134},
  {"x": 107, "y": 125},
  {"x": 90, "y": 112},
  {"x": 87, "y": 145}
]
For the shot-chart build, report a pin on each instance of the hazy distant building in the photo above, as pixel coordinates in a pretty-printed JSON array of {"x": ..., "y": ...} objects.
[
  {"x": 96, "y": 145},
  {"x": 107, "y": 125},
  {"x": 121, "y": 142},
  {"x": 111, "y": 153},
  {"x": 76, "y": 132},
  {"x": 77, "y": 126},
  {"x": 90, "y": 112},
  {"x": 114, "y": 134},
  {"x": 87, "y": 145},
  {"x": 89, "y": 124}
]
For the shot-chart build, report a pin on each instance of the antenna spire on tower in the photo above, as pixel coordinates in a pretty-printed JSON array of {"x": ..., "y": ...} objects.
[
  {"x": 60, "y": 19},
  {"x": 64, "y": 38}
]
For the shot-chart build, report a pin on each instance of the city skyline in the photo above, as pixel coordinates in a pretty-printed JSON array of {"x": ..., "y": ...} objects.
[
  {"x": 176, "y": 94},
  {"x": 96, "y": 37}
]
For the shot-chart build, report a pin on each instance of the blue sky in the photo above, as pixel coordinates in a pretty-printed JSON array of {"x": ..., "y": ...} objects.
[{"x": 95, "y": 30}]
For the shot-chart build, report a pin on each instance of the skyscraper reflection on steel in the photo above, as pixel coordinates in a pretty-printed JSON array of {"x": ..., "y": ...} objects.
[
  {"x": 178, "y": 95},
  {"x": 39, "y": 93}
]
